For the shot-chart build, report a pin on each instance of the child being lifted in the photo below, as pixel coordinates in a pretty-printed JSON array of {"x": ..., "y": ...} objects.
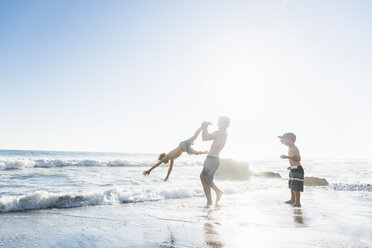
[{"x": 184, "y": 146}]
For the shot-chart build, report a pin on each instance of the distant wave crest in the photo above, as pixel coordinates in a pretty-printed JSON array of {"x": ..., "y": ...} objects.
[
  {"x": 51, "y": 163},
  {"x": 351, "y": 187},
  {"x": 14, "y": 164}
]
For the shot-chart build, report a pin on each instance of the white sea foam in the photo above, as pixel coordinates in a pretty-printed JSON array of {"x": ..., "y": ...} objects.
[
  {"x": 115, "y": 195},
  {"x": 10, "y": 164},
  {"x": 121, "y": 195},
  {"x": 18, "y": 163},
  {"x": 351, "y": 187}
]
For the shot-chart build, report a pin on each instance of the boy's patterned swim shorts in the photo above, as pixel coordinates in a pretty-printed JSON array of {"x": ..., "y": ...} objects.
[{"x": 296, "y": 178}]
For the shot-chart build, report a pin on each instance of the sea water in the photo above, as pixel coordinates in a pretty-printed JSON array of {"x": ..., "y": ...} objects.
[{"x": 39, "y": 186}]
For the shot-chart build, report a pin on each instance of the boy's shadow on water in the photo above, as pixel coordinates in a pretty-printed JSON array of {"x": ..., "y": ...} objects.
[
  {"x": 210, "y": 234},
  {"x": 171, "y": 243},
  {"x": 298, "y": 216}
]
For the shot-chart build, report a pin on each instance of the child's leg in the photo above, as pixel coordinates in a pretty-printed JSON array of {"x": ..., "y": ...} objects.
[
  {"x": 297, "y": 198},
  {"x": 293, "y": 197},
  {"x": 218, "y": 192}
]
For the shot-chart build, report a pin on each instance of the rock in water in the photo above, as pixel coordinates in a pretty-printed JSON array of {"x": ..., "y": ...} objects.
[
  {"x": 230, "y": 169},
  {"x": 268, "y": 174},
  {"x": 315, "y": 181}
]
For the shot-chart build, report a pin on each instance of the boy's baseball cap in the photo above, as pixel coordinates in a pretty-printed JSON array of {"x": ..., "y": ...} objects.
[{"x": 290, "y": 136}]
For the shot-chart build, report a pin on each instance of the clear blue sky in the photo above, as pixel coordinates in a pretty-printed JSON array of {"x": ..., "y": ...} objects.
[{"x": 140, "y": 76}]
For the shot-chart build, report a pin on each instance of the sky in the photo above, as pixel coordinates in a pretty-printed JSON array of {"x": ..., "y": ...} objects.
[{"x": 141, "y": 76}]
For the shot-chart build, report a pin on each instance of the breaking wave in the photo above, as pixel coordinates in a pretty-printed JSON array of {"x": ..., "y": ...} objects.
[
  {"x": 116, "y": 195},
  {"x": 52, "y": 163},
  {"x": 45, "y": 200}
]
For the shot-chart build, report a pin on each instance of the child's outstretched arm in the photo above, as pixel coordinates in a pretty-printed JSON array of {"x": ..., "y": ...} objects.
[
  {"x": 199, "y": 152},
  {"x": 169, "y": 170},
  {"x": 146, "y": 173}
]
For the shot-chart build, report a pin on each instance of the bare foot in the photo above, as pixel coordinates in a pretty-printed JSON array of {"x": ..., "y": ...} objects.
[
  {"x": 297, "y": 205},
  {"x": 219, "y": 195},
  {"x": 289, "y": 202},
  {"x": 209, "y": 203}
]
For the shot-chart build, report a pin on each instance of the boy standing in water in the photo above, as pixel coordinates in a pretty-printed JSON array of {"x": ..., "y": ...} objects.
[
  {"x": 184, "y": 146},
  {"x": 296, "y": 172},
  {"x": 212, "y": 161}
]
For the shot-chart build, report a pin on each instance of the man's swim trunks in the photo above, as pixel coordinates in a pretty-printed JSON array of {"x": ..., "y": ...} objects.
[
  {"x": 186, "y": 146},
  {"x": 211, "y": 164},
  {"x": 296, "y": 178}
]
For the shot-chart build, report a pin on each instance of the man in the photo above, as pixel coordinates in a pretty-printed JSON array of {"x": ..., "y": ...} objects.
[{"x": 212, "y": 161}]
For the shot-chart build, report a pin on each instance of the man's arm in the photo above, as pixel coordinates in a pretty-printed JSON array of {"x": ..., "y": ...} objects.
[
  {"x": 169, "y": 170},
  {"x": 208, "y": 136}
]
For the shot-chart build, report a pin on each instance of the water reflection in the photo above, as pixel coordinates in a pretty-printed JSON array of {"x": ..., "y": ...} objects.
[
  {"x": 211, "y": 236},
  {"x": 298, "y": 216},
  {"x": 170, "y": 243}
]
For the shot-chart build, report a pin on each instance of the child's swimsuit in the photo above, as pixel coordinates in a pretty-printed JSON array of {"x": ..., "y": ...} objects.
[
  {"x": 296, "y": 178},
  {"x": 186, "y": 145},
  {"x": 211, "y": 164}
]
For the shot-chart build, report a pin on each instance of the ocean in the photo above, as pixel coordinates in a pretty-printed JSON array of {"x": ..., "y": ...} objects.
[{"x": 84, "y": 199}]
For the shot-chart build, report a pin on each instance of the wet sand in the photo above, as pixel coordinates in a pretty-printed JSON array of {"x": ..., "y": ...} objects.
[{"x": 253, "y": 219}]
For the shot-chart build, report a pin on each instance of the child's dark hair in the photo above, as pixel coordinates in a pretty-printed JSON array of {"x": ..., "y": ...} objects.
[{"x": 161, "y": 156}]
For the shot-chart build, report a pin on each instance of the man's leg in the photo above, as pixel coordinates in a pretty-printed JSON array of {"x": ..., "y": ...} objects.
[
  {"x": 218, "y": 192},
  {"x": 207, "y": 191}
]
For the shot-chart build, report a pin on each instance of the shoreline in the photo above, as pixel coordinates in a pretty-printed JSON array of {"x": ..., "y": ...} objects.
[{"x": 257, "y": 219}]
